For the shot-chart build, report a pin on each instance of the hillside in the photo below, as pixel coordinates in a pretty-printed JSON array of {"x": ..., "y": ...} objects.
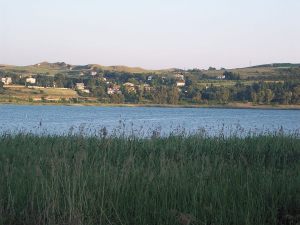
[
  {"x": 267, "y": 70},
  {"x": 62, "y": 67}
]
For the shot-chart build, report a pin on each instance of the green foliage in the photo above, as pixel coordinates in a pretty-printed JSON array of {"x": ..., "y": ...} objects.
[
  {"x": 109, "y": 180},
  {"x": 117, "y": 98},
  {"x": 1, "y": 87},
  {"x": 266, "y": 84},
  {"x": 231, "y": 76}
]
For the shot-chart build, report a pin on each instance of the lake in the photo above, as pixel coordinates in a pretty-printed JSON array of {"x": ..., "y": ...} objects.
[{"x": 143, "y": 122}]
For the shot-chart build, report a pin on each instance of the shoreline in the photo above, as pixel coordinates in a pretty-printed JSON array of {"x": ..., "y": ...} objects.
[{"x": 214, "y": 106}]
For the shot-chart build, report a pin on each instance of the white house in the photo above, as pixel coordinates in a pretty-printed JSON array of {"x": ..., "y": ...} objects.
[
  {"x": 110, "y": 91},
  {"x": 180, "y": 83},
  {"x": 31, "y": 80},
  {"x": 115, "y": 89},
  {"x": 87, "y": 91},
  {"x": 79, "y": 86},
  {"x": 179, "y": 76},
  {"x": 93, "y": 73},
  {"x": 6, "y": 80}
]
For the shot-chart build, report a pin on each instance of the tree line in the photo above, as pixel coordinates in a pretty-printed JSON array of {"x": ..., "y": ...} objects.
[{"x": 164, "y": 90}]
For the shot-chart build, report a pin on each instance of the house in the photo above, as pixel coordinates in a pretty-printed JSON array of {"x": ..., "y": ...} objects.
[
  {"x": 110, "y": 91},
  {"x": 79, "y": 86},
  {"x": 31, "y": 80},
  {"x": 149, "y": 78},
  {"x": 130, "y": 87},
  {"x": 147, "y": 87},
  {"x": 87, "y": 91},
  {"x": 128, "y": 84},
  {"x": 179, "y": 76},
  {"x": 115, "y": 89},
  {"x": 93, "y": 73},
  {"x": 222, "y": 77},
  {"x": 180, "y": 83},
  {"x": 6, "y": 80}
]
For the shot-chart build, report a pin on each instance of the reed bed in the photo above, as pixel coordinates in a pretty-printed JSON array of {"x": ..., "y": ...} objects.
[{"x": 179, "y": 179}]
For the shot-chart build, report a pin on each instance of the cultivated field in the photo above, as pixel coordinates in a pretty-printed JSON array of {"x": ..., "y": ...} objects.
[{"x": 36, "y": 93}]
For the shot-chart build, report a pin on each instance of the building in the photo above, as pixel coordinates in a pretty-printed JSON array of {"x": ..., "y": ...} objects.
[
  {"x": 144, "y": 87},
  {"x": 31, "y": 80},
  {"x": 147, "y": 87},
  {"x": 110, "y": 91},
  {"x": 128, "y": 84},
  {"x": 79, "y": 86},
  {"x": 179, "y": 76},
  {"x": 180, "y": 83},
  {"x": 130, "y": 87},
  {"x": 222, "y": 77},
  {"x": 93, "y": 73},
  {"x": 6, "y": 80},
  {"x": 87, "y": 91},
  {"x": 149, "y": 78},
  {"x": 115, "y": 89}
]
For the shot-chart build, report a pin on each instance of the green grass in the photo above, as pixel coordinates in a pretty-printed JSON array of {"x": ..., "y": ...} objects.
[{"x": 174, "y": 180}]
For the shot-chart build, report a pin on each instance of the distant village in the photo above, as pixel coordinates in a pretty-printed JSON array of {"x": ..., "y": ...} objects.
[
  {"x": 32, "y": 81},
  {"x": 108, "y": 87},
  {"x": 88, "y": 84}
]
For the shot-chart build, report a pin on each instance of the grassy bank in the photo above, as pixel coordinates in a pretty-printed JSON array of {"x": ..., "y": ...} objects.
[
  {"x": 175, "y": 180},
  {"x": 237, "y": 105}
]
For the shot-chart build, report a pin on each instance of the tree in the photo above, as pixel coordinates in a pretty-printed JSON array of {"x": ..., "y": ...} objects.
[
  {"x": 231, "y": 76},
  {"x": 160, "y": 95},
  {"x": 253, "y": 96},
  {"x": 223, "y": 95},
  {"x": 140, "y": 94},
  {"x": 173, "y": 96},
  {"x": 296, "y": 94},
  {"x": 99, "y": 92},
  {"x": 268, "y": 96},
  {"x": 261, "y": 96},
  {"x": 117, "y": 98},
  {"x": 1, "y": 87},
  {"x": 287, "y": 97},
  {"x": 59, "y": 80},
  {"x": 197, "y": 98}
]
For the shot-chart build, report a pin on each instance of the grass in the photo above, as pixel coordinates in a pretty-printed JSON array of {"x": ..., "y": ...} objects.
[
  {"x": 253, "y": 72},
  {"x": 54, "y": 68},
  {"x": 183, "y": 180},
  {"x": 22, "y": 92}
]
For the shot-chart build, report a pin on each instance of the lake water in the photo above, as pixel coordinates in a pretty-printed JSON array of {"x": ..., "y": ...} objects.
[{"x": 142, "y": 121}]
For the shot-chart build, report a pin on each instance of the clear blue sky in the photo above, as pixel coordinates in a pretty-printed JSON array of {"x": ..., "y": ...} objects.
[{"x": 150, "y": 33}]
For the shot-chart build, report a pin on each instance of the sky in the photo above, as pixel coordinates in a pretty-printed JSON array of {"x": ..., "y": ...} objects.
[{"x": 152, "y": 34}]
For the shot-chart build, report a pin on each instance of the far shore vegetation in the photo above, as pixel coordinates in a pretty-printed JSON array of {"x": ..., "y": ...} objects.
[
  {"x": 176, "y": 180},
  {"x": 273, "y": 85}
]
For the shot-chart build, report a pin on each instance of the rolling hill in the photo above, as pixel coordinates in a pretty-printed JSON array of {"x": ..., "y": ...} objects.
[{"x": 267, "y": 70}]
